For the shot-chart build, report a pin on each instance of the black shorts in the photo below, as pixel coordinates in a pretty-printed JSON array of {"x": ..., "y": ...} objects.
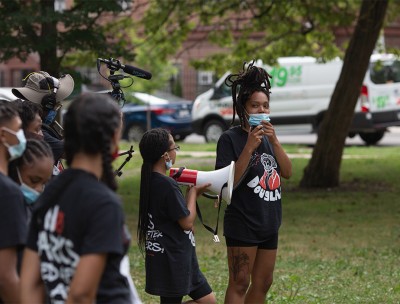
[{"x": 271, "y": 243}]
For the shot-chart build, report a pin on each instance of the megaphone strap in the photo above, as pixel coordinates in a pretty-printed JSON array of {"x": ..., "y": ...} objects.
[{"x": 213, "y": 231}]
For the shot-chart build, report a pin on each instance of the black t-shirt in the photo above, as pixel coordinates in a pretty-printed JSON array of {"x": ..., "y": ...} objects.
[
  {"x": 255, "y": 211},
  {"x": 13, "y": 217},
  {"x": 171, "y": 263},
  {"x": 86, "y": 217}
]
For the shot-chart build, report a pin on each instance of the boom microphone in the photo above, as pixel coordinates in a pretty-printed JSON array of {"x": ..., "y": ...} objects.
[{"x": 134, "y": 71}]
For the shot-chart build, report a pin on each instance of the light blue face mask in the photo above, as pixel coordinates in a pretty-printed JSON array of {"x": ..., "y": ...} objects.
[
  {"x": 168, "y": 164},
  {"x": 17, "y": 150},
  {"x": 29, "y": 193},
  {"x": 255, "y": 119}
]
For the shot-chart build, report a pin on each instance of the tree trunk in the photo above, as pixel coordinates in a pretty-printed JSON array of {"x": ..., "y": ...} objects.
[
  {"x": 324, "y": 167},
  {"x": 49, "y": 62}
]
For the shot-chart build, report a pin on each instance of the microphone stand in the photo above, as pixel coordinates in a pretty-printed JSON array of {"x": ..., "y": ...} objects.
[{"x": 118, "y": 172}]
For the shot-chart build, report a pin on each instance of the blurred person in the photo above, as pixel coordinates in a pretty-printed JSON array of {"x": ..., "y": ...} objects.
[
  {"x": 166, "y": 220},
  {"x": 78, "y": 227},
  {"x": 30, "y": 114},
  {"x": 13, "y": 222},
  {"x": 48, "y": 91},
  {"x": 32, "y": 171},
  {"x": 253, "y": 218}
]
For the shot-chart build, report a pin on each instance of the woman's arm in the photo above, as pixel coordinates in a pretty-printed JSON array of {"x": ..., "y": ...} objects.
[
  {"x": 9, "y": 280},
  {"x": 84, "y": 285},
  {"x": 32, "y": 287},
  {"x": 191, "y": 195}
]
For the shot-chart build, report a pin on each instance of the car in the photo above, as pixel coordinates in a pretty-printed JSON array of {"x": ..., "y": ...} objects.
[{"x": 144, "y": 111}]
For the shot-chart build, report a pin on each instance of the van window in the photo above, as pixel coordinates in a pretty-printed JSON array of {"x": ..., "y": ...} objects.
[
  {"x": 222, "y": 91},
  {"x": 385, "y": 71}
]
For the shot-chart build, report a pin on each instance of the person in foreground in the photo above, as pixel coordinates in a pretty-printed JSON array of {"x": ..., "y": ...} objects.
[
  {"x": 253, "y": 218},
  {"x": 13, "y": 217},
  {"x": 165, "y": 225},
  {"x": 77, "y": 237}
]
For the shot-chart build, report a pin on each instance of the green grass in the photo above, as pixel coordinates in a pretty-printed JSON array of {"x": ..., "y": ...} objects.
[{"x": 339, "y": 245}]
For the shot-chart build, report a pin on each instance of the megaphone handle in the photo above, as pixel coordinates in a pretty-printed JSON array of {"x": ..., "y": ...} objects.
[{"x": 209, "y": 195}]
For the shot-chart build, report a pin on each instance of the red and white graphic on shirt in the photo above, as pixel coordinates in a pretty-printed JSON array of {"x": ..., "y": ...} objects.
[{"x": 270, "y": 176}]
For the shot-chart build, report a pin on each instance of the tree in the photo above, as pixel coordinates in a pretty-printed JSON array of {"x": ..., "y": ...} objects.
[
  {"x": 35, "y": 26},
  {"x": 323, "y": 168},
  {"x": 270, "y": 29}
]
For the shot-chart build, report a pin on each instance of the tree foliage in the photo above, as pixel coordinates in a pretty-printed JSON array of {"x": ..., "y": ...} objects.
[
  {"x": 35, "y": 26},
  {"x": 249, "y": 29}
]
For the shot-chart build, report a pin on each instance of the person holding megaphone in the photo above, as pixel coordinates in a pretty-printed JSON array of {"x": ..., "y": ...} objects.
[
  {"x": 253, "y": 217},
  {"x": 166, "y": 219}
]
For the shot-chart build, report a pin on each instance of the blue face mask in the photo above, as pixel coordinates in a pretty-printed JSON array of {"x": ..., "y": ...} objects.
[
  {"x": 168, "y": 164},
  {"x": 17, "y": 150},
  {"x": 255, "y": 119},
  {"x": 29, "y": 193}
]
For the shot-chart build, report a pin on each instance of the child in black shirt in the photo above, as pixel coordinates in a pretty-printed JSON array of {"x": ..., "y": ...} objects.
[
  {"x": 165, "y": 225},
  {"x": 77, "y": 236}
]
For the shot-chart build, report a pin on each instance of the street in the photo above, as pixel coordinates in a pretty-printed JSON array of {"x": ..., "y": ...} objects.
[{"x": 391, "y": 138}]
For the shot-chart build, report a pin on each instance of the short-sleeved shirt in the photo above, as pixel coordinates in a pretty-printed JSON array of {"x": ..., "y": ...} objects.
[
  {"x": 85, "y": 218},
  {"x": 255, "y": 211},
  {"x": 13, "y": 218},
  {"x": 171, "y": 263}
]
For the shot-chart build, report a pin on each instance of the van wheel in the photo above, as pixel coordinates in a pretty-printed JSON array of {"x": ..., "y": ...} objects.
[
  {"x": 372, "y": 138},
  {"x": 213, "y": 130},
  {"x": 134, "y": 133}
]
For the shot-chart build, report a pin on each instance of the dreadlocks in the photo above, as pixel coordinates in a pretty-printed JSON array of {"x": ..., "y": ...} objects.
[{"x": 249, "y": 80}]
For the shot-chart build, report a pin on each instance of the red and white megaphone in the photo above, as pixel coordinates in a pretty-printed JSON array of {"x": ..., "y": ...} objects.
[{"x": 217, "y": 179}]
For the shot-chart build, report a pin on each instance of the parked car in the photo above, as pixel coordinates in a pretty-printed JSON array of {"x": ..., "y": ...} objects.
[{"x": 144, "y": 111}]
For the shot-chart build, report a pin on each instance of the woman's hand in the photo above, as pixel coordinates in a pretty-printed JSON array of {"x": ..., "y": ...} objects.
[
  {"x": 254, "y": 138},
  {"x": 269, "y": 131},
  {"x": 199, "y": 189}
]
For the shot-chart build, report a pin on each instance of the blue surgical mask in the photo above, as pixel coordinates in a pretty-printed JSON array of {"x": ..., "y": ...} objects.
[
  {"x": 17, "y": 150},
  {"x": 29, "y": 193},
  {"x": 168, "y": 164},
  {"x": 255, "y": 119}
]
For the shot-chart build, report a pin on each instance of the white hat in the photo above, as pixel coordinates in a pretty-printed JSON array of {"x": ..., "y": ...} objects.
[{"x": 39, "y": 84}]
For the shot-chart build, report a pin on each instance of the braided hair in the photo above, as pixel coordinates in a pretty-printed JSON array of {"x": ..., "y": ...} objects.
[
  {"x": 35, "y": 151},
  {"x": 152, "y": 146},
  {"x": 89, "y": 125},
  {"x": 249, "y": 80}
]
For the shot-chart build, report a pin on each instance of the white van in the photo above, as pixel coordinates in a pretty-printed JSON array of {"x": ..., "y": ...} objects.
[{"x": 301, "y": 92}]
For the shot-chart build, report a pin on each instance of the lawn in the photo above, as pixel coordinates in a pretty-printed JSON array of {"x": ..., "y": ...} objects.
[{"x": 339, "y": 245}]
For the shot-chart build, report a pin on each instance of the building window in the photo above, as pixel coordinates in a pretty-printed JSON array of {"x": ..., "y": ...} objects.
[
  {"x": 59, "y": 6},
  {"x": 205, "y": 78}
]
